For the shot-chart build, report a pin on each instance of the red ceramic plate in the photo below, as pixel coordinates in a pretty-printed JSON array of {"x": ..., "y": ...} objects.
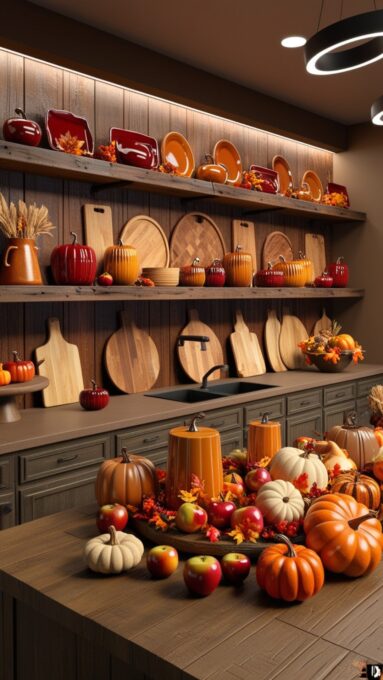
[
  {"x": 60, "y": 122},
  {"x": 339, "y": 189},
  {"x": 135, "y": 148},
  {"x": 270, "y": 178}
]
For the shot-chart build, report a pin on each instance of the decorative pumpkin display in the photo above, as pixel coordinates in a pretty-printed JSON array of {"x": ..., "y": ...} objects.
[
  {"x": 295, "y": 271},
  {"x": 21, "y": 371},
  {"x": 5, "y": 376},
  {"x": 193, "y": 274},
  {"x": 344, "y": 534},
  {"x": 269, "y": 277},
  {"x": 333, "y": 455},
  {"x": 359, "y": 441},
  {"x": 197, "y": 451},
  {"x": 264, "y": 439},
  {"x": 239, "y": 268},
  {"x": 121, "y": 262},
  {"x": 289, "y": 463},
  {"x": 377, "y": 465},
  {"x": 114, "y": 552},
  {"x": 94, "y": 398},
  {"x": 280, "y": 501},
  {"x": 126, "y": 480},
  {"x": 73, "y": 264},
  {"x": 289, "y": 572},
  {"x": 361, "y": 487}
]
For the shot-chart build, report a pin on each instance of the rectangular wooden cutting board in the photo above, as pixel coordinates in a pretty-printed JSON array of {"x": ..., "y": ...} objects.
[
  {"x": 246, "y": 349},
  {"x": 98, "y": 226},
  {"x": 243, "y": 234}
]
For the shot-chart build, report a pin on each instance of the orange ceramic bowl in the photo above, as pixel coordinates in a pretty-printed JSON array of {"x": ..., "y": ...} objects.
[{"x": 212, "y": 173}]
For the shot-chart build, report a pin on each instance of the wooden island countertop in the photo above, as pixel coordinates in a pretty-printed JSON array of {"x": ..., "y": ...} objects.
[{"x": 58, "y": 620}]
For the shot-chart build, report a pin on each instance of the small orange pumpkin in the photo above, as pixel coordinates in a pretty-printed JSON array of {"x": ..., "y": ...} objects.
[
  {"x": 377, "y": 467},
  {"x": 289, "y": 572},
  {"x": 361, "y": 487},
  {"x": 5, "y": 376},
  {"x": 193, "y": 274},
  {"x": 378, "y": 432},
  {"x": 126, "y": 480}
]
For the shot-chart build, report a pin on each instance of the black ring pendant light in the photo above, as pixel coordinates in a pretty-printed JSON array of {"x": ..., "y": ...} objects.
[
  {"x": 377, "y": 111},
  {"x": 320, "y": 55}
]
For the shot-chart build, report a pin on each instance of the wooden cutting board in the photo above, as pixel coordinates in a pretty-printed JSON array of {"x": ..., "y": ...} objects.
[
  {"x": 324, "y": 323},
  {"x": 149, "y": 239},
  {"x": 195, "y": 361},
  {"x": 61, "y": 365},
  {"x": 272, "y": 335},
  {"x": 248, "y": 355},
  {"x": 131, "y": 357},
  {"x": 316, "y": 252},
  {"x": 292, "y": 332},
  {"x": 243, "y": 233},
  {"x": 98, "y": 230},
  {"x": 196, "y": 235},
  {"x": 276, "y": 244}
]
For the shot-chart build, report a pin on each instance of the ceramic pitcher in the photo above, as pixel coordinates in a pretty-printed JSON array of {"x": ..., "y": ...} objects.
[{"x": 20, "y": 264}]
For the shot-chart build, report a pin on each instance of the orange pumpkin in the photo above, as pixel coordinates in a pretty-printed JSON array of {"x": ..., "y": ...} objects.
[
  {"x": 289, "y": 572},
  {"x": 239, "y": 268},
  {"x": 5, "y": 376},
  {"x": 361, "y": 487},
  {"x": 377, "y": 467},
  {"x": 21, "y": 371},
  {"x": 121, "y": 262},
  {"x": 193, "y": 274},
  {"x": 343, "y": 341},
  {"x": 359, "y": 441},
  {"x": 295, "y": 271},
  {"x": 344, "y": 534},
  {"x": 378, "y": 432},
  {"x": 126, "y": 480}
]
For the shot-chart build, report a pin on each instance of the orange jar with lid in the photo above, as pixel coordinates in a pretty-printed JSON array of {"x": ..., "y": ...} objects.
[
  {"x": 294, "y": 270},
  {"x": 264, "y": 439},
  {"x": 239, "y": 268},
  {"x": 193, "y": 450},
  {"x": 121, "y": 262}
]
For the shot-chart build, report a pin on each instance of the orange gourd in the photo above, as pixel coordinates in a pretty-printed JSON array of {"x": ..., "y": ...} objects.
[
  {"x": 289, "y": 572},
  {"x": 197, "y": 451},
  {"x": 193, "y": 275},
  {"x": 264, "y": 439},
  {"x": 359, "y": 441},
  {"x": 5, "y": 376},
  {"x": 344, "y": 534},
  {"x": 295, "y": 271},
  {"x": 239, "y": 268},
  {"x": 361, "y": 487},
  {"x": 121, "y": 263},
  {"x": 126, "y": 480}
]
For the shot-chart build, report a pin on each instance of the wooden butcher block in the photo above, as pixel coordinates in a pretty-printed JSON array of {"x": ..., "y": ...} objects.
[
  {"x": 194, "y": 361},
  {"x": 196, "y": 235},
  {"x": 292, "y": 333},
  {"x": 243, "y": 233},
  {"x": 131, "y": 357},
  {"x": 98, "y": 230},
  {"x": 272, "y": 336},
  {"x": 61, "y": 365},
  {"x": 246, "y": 349},
  {"x": 315, "y": 251}
]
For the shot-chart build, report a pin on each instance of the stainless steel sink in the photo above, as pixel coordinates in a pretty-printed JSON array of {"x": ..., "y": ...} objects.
[{"x": 196, "y": 394}]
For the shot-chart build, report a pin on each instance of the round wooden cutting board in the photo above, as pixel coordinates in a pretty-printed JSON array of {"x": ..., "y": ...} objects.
[
  {"x": 196, "y": 235},
  {"x": 276, "y": 244},
  {"x": 149, "y": 239}
]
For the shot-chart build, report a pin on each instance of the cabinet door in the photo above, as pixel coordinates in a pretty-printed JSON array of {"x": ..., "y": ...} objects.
[
  {"x": 335, "y": 415},
  {"x": 7, "y": 510},
  {"x": 308, "y": 424},
  {"x": 230, "y": 441},
  {"x": 60, "y": 493},
  {"x": 363, "y": 411}
]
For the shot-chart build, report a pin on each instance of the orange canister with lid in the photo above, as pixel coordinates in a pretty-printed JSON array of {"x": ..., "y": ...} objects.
[{"x": 264, "y": 439}]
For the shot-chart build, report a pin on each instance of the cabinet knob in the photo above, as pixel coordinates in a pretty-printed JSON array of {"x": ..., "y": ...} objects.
[
  {"x": 65, "y": 459},
  {"x": 151, "y": 440}
]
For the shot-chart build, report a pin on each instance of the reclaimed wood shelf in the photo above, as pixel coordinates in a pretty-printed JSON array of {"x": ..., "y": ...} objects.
[
  {"x": 135, "y": 293},
  {"x": 108, "y": 175}
]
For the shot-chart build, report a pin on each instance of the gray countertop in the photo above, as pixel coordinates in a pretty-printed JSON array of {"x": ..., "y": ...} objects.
[{"x": 41, "y": 426}]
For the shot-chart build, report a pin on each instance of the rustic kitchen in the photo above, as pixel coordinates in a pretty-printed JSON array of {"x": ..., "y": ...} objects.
[{"x": 191, "y": 380}]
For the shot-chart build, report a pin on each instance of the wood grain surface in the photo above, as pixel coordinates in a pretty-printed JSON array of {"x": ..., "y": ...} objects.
[
  {"x": 61, "y": 365},
  {"x": 131, "y": 357},
  {"x": 315, "y": 251},
  {"x": 195, "y": 361},
  {"x": 292, "y": 333},
  {"x": 243, "y": 233},
  {"x": 196, "y": 235},
  {"x": 276, "y": 244},
  {"x": 272, "y": 337},
  {"x": 147, "y": 236},
  {"x": 323, "y": 323},
  {"x": 246, "y": 349},
  {"x": 98, "y": 230}
]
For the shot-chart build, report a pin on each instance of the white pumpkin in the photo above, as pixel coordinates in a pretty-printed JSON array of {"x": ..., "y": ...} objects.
[
  {"x": 114, "y": 552},
  {"x": 289, "y": 462},
  {"x": 279, "y": 500}
]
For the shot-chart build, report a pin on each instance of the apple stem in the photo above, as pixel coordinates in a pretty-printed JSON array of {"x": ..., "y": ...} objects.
[
  {"x": 21, "y": 113},
  {"x": 113, "y": 536},
  {"x": 281, "y": 538}
]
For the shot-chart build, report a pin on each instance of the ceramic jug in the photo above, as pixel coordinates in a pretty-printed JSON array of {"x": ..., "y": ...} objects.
[{"x": 20, "y": 264}]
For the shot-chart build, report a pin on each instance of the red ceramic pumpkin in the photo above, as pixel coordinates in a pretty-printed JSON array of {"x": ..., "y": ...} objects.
[
  {"x": 73, "y": 264},
  {"x": 21, "y": 371},
  {"x": 94, "y": 398}
]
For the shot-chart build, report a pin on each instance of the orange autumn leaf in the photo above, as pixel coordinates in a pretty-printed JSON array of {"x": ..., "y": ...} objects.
[
  {"x": 237, "y": 535},
  {"x": 264, "y": 462},
  {"x": 302, "y": 483},
  {"x": 196, "y": 482},
  {"x": 187, "y": 496},
  {"x": 70, "y": 144}
]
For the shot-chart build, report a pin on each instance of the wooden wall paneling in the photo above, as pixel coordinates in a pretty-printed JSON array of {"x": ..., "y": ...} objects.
[
  {"x": 198, "y": 135},
  {"x": 79, "y": 97},
  {"x": 136, "y": 117},
  {"x": 12, "y": 84},
  {"x": 237, "y": 135},
  {"x": 106, "y": 322},
  {"x": 109, "y": 110},
  {"x": 257, "y": 147},
  {"x": 159, "y": 329},
  {"x": 286, "y": 148},
  {"x": 216, "y": 130},
  {"x": 12, "y": 336},
  {"x": 158, "y": 125},
  {"x": 36, "y": 334},
  {"x": 44, "y": 90},
  {"x": 79, "y": 320}
]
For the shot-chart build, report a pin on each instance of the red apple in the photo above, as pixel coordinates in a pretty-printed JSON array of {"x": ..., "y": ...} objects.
[
  {"x": 202, "y": 574},
  {"x": 21, "y": 130},
  {"x": 256, "y": 478},
  {"x": 112, "y": 514},
  {"x": 162, "y": 560},
  {"x": 190, "y": 518},
  {"x": 219, "y": 513},
  {"x": 248, "y": 517},
  {"x": 105, "y": 279},
  {"x": 235, "y": 567}
]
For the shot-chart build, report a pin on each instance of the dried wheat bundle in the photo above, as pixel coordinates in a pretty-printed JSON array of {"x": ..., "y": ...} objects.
[
  {"x": 24, "y": 221},
  {"x": 375, "y": 400}
]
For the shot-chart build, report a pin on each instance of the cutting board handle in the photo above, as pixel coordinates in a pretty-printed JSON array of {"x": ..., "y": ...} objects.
[
  {"x": 193, "y": 314},
  {"x": 239, "y": 322},
  {"x": 53, "y": 326}
]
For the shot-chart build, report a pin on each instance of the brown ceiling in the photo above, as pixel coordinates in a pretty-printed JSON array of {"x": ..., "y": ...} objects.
[{"x": 240, "y": 41}]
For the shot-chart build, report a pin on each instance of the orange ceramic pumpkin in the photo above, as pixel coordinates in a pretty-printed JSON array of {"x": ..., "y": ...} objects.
[
  {"x": 126, "y": 480},
  {"x": 5, "y": 376},
  {"x": 264, "y": 439},
  {"x": 343, "y": 533},
  {"x": 239, "y": 268},
  {"x": 378, "y": 432},
  {"x": 289, "y": 572},
  {"x": 377, "y": 467},
  {"x": 21, "y": 371},
  {"x": 361, "y": 487},
  {"x": 193, "y": 275},
  {"x": 359, "y": 441},
  {"x": 121, "y": 263},
  {"x": 295, "y": 271}
]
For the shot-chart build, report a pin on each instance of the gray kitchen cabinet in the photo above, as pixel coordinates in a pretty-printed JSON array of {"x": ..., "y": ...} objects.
[{"x": 309, "y": 424}]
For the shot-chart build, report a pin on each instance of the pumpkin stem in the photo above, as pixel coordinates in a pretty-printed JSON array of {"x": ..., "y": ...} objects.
[
  {"x": 193, "y": 425},
  {"x": 281, "y": 538},
  {"x": 354, "y": 523},
  {"x": 113, "y": 536},
  {"x": 21, "y": 113},
  {"x": 15, "y": 355},
  {"x": 126, "y": 457},
  {"x": 94, "y": 384},
  {"x": 72, "y": 233},
  {"x": 350, "y": 420},
  {"x": 238, "y": 248}
]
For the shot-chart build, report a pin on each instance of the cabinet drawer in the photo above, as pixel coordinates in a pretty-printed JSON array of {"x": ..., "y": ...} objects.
[
  {"x": 159, "y": 457},
  {"x": 52, "y": 460},
  {"x": 339, "y": 393},
  {"x": 308, "y": 424},
  {"x": 7, "y": 510},
  {"x": 303, "y": 401},
  {"x": 275, "y": 408},
  {"x": 363, "y": 387},
  {"x": 231, "y": 441},
  {"x": 142, "y": 439},
  {"x": 224, "y": 420},
  {"x": 6, "y": 472},
  {"x": 335, "y": 415}
]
